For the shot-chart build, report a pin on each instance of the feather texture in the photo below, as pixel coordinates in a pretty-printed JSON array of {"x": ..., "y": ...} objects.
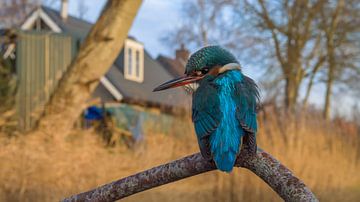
[{"x": 223, "y": 112}]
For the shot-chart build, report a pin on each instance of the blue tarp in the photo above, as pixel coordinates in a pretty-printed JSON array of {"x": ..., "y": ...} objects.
[
  {"x": 137, "y": 121},
  {"x": 93, "y": 113},
  {"x": 128, "y": 117}
]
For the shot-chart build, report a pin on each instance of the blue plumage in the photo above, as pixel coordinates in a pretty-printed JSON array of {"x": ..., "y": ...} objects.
[
  {"x": 222, "y": 115},
  {"x": 224, "y": 105}
]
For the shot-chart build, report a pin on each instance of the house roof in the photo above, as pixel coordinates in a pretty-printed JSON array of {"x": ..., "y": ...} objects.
[
  {"x": 74, "y": 26},
  {"x": 173, "y": 66},
  {"x": 132, "y": 91}
]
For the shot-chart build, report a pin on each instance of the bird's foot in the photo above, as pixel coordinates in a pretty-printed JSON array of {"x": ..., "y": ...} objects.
[{"x": 249, "y": 145}]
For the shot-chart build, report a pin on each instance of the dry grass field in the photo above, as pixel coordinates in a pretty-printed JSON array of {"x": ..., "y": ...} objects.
[{"x": 42, "y": 167}]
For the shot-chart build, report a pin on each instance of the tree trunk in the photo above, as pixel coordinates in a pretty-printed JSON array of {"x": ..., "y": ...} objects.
[
  {"x": 292, "y": 83},
  {"x": 293, "y": 73},
  {"x": 95, "y": 57},
  {"x": 329, "y": 85},
  {"x": 330, "y": 31},
  {"x": 331, "y": 74},
  {"x": 289, "y": 94},
  {"x": 308, "y": 90}
]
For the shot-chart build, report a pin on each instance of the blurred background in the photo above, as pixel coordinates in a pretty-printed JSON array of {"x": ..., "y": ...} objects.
[{"x": 304, "y": 54}]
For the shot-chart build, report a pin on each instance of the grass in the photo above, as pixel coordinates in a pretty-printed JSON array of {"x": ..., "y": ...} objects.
[{"x": 41, "y": 168}]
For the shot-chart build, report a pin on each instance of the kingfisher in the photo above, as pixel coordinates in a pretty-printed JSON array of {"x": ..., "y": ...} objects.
[{"x": 223, "y": 105}]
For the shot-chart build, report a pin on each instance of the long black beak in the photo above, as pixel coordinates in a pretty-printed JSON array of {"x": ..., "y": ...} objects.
[{"x": 178, "y": 82}]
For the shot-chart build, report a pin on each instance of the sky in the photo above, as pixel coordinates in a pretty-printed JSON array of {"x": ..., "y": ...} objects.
[{"x": 156, "y": 17}]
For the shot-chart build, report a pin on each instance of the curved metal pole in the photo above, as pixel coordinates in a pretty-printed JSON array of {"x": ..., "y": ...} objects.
[{"x": 276, "y": 175}]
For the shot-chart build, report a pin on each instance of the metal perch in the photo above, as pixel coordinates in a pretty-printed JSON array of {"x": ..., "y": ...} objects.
[{"x": 276, "y": 175}]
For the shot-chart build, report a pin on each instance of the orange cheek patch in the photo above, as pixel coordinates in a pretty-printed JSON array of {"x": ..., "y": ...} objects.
[{"x": 215, "y": 71}]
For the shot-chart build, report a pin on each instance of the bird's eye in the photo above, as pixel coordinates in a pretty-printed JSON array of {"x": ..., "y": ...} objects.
[
  {"x": 197, "y": 73},
  {"x": 201, "y": 72},
  {"x": 204, "y": 71}
]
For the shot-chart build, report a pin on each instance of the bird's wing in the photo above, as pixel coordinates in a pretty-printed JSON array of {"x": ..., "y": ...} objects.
[
  {"x": 206, "y": 116},
  {"x": 247, "y": 97}
]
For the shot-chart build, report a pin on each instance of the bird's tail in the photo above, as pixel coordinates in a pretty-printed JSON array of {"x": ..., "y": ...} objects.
[
  {"x": 225, "y": 160},
  {"x": 225, "y": 148},
  {"x": 225, "y": 152}
]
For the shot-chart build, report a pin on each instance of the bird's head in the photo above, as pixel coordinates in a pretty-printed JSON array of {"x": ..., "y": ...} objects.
[{"x": 208, "y": 61}]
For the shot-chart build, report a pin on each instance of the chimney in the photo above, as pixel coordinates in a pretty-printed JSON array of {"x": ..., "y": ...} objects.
[
  {"x": 64, "y": 9},
  {"x": 182, "y": 54}
]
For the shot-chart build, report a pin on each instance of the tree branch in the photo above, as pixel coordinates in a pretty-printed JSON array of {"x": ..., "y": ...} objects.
[
  {"x": 271, "y": 25},
  {"x": 276, "y": 175},
  {"x": 312, "y": 74}
]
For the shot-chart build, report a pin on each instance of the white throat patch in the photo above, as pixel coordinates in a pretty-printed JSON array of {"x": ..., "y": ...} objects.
[
  {"x": 191, "y": 88},
  {"x": 229, "y": 66}
]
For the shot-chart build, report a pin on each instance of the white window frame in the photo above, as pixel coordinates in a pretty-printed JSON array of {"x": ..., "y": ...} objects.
[{"x": 135, "y": 48}]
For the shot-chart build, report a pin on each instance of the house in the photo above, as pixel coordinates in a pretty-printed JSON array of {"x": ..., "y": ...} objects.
[
  {"x": 52, "y": 38},
  {"x": 175, "y": 66}
]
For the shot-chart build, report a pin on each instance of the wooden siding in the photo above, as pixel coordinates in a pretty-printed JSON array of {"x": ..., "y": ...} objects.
[{"x": 41, "y": 60}]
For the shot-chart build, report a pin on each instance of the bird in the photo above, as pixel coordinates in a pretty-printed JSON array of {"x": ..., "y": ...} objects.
[{"x": 223, "y": 105}]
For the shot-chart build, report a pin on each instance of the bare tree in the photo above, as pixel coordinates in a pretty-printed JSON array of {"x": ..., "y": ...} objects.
[
  {"x": 295, "y": 41},
  {"x": 204, "y": 22},
  {"x": 13, "y": 12},
  {"x": 290, "y": 25},
  {"x": 313, "y": 73},
  {"x": 340, "y": 25},
  {"x": 309, "y": 39}
]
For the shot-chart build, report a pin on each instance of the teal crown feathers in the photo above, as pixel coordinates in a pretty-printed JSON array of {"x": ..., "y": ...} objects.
[{"x": 209, "y": 56}]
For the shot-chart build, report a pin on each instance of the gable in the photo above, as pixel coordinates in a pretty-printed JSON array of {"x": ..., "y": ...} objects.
[{"x": 40, "y": 18}]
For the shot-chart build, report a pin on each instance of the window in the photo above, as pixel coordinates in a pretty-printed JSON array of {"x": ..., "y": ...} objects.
[
  {"x": 134, "y": 61},
  {"x": 129, "y": 61},
  {"x": 137, "y": 63}
]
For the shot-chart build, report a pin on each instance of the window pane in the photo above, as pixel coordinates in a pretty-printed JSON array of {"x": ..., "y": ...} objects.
[
  {"x": 129, "y": 61},
  {"x": 137, "y": 62}
]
